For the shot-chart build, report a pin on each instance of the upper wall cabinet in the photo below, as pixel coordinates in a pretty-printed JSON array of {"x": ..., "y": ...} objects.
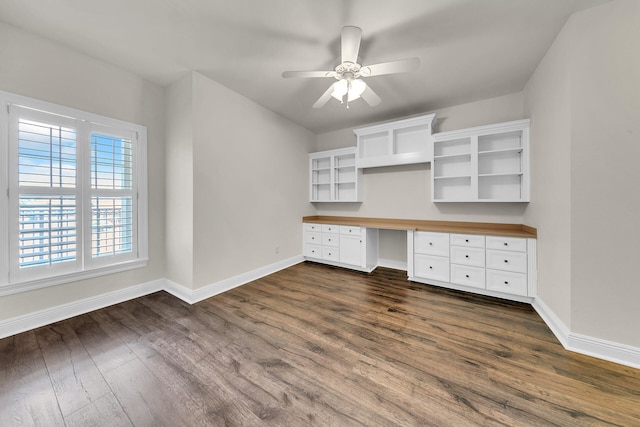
[
  {"x": 395, "y": 143},
  {"x": 334, "y": 176},
  {"x": 482, "y": 164}
]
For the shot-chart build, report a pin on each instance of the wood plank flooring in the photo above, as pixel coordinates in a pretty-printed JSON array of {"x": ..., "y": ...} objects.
[{"x": 310, "y": 345}]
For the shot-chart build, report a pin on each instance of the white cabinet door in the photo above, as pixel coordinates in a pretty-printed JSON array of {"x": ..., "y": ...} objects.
[{"x": 351, "y": 250}]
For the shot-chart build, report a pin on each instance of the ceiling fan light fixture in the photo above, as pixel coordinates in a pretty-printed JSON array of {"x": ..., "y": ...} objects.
[
  {"x": 340, "y": 89},
  {"x": 356, "y": 88}
]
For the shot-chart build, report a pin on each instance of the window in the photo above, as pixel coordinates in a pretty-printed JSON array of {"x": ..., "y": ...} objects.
[{"x": 76, "y": 204}]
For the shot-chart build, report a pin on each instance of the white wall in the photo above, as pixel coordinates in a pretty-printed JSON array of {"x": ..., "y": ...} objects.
[
  {"x": 584, "y": 102},
  {"x": 405, "y": 191},
  {"x": 179, "y": 182},
  {"x": 34, "y": 67},
  {"x": 547, "y": 104},
  {"x": 605, "y": 172},
  {"x": 250, "y": 184}
]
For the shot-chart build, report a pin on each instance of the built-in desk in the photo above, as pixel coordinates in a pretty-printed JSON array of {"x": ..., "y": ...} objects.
[{"x": 487, "y": 258}]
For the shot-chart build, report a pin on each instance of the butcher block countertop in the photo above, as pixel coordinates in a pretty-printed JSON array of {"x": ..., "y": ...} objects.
[{"x": 487, "y": 228}]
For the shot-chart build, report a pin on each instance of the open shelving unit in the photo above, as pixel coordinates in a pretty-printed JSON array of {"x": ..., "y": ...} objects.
[
  {"x": 400, "y": 142},
  {"x": 482, "y": 164},
  {"x": 334, "y": 176}
]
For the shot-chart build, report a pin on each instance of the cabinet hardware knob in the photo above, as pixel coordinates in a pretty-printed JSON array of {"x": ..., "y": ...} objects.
[
  {"x": 430, "y": 244},
  {"x": 506, "y": 260},
  {"x": 506, "y": 283},
  {"x": 506, "y": 244},
  {"x": 466, "y": 256},
  {"x": 466, "y": 275},
  {"x": 430, "y": 268},
  {"x": 466, "y": 240}
]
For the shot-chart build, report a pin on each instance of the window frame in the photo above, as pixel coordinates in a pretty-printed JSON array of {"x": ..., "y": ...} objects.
[{"x": 12, "y": 280}]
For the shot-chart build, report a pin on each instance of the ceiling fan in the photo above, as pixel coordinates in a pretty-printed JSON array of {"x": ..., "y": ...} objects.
[{"x": 349, "y": 73}]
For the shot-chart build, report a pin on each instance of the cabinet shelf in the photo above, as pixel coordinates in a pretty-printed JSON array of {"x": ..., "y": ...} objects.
[
  {"x": 400, "y": 142},
  {"x": 452, "y": 156},
  {"x": 506, "y": 150},
  {"x": 482, "y": 164},
  {"x": 487, "y": 175},
  {"x": 452, "y": 177},
  {"x": 334, "y": 176}
]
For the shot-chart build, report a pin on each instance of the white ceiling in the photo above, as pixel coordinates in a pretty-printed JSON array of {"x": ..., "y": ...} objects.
[{"x": 470, "y": 49}]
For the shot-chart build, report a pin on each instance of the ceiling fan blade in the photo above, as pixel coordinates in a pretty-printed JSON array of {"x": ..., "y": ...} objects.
[
  {"x": 370, "y": 97},
  {"x": 351, "y": 37},
  {"x": 305, "y": 74},
  {"x": 401, "y": 66},
  {"x": 324, "y": 98}
]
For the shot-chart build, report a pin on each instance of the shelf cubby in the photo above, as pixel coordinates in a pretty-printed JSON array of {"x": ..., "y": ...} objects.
[{"x": 484, "y": 164}]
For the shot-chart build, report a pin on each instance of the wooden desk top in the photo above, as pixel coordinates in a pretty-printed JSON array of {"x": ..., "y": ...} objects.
[{"x": 511, "y": 230}]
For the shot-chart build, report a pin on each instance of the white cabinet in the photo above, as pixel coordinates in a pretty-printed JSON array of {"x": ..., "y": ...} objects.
[
  {"x": 482, "y": 164},
  {"x": 343, "y": 246},
  {"x": 507, "y": 265},
  {"x": 431, "y": 255},
  {"x": 334, "y": 177},
  {"x": 395, "y": 143},
  {"x": 498, "y": 266}
]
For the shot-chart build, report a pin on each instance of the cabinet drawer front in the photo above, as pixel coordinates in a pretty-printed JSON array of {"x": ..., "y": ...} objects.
[
  {"x": 467, "y": 256},
  {"x": 468, "y": 276},
  {"x": 431, "y": 243},
  {"x": 507, "y": 243},
  {"x": 330, "y": 240},
  {"x": 328, "y": 228},
  {"x": 507, "y": 261},
  {"x": 507, "y": 282},
  {"x": 312, "y": 227},
  {"x": 468, "y": 240},
  {"x": 431, "y": 267},
  {"x": 330, "y": 254},
  {"x": 345, "y": 229},
  {"x": 313, "y": 238},
  {"x": 313, "y": 251}
]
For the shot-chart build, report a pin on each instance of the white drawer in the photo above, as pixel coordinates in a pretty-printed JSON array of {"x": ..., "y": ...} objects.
[
  {"x": 431, "y": 267},
  {"x": 313, "y": 238},
  {"x": 468, "y": 276},
  {"x": 330, "y": 254},
  {"x": 328, "y": 228},
  {"x": 468, "y": 240},
  {"x": 467, "y": 256},
  {"x": 313, "y": 251},
  {"x": 507, "y": 282},
  {"x": 345, "y": 229},
  {"x": 507, "y": 261},
  {"x": 330, "y": 240},
  {"x": 431, "y": 243},
  {"x": 312, "y": 227},
  {"x": 516, "y": 244}
]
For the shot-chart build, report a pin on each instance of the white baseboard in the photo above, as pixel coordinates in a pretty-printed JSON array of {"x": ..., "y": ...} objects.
[
  {"x": 390, "y": 263},
  {"x": 590, "y": 346},
  {"x": 602, "y": 349},
  {"x": 192, "y": 296},
  {"x": 47, "y": 316}
]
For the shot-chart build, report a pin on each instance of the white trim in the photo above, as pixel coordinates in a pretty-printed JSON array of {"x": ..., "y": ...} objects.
[
  {"x": 391, "y": 263},
  {"x": 241, "y": 279},
  {"x": 47, "y": 316},
  {"x": 607, "y": 350},
  {"x": 15, "y": 288},
  {"x": 193, "y": 296},
  {"x": 557, "y": 326},
  {"x": 595, "y": 347}
]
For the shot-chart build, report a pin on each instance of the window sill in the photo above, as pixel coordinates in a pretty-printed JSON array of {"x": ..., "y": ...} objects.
[{"x": 15, "y": 288}]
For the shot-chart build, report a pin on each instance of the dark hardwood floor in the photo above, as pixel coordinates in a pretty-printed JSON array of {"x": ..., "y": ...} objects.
[{"x": 310, "y": 345}]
